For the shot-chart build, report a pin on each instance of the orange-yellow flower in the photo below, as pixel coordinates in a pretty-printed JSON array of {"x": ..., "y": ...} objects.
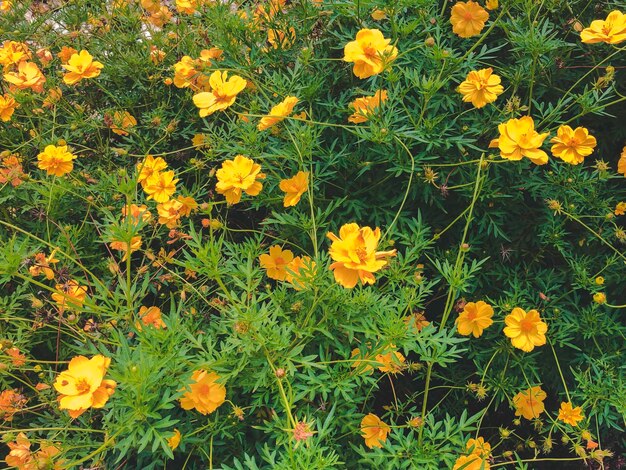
[
  {"x": 621, "y": 163},
  {"x": 17, "y": 358},
  {"x": 355, "y": 255},
  {"x": 300, "y": 271},
  {"x": 570, "y": 415},
  {"x": 83, "y": 386},
  {"x": 280, "y": 39},
  {"x": 136, "y": 213},
  {"x": 11, "y": 402},
  {"x": 169, "y": 213},
  {"x": 174, "y": 441},
  {"x": 278, "y": 113},
  {"x": 361, "y": 364},
  {"x": 188, "y": 204},
  {"x": 374, "y": 431},
  {"x": 151, "y": 316},
  {"x": 223, "y": 93},
  {"x": 11, "y": 170},
  {"x": 474, "y": 318},
  {"x": 468, "y": 19},
  {"x": 57, "y": 161},
  {"x": 205, "y": 395},
  {"x": 80, "y": 66},
  {"x": 160, "y": 17},
  {"x": 529, "y": 403},
  {"x": 13, "y": 52},
  {"x": 478, "y": 447},
  {"x": 43, "y": 265},
  {"x": 121, "y": 121},
  {"x": 518, "y": 139},
  {"x": 149, "y": 167},
  {"x": 185, "y": 73},
  {"x": 477, "y": 459},
  {"x": 237, "y": 176},
  {"x": 66, "y": 53},
  {"x": 294, "y": 188},
  {"x": 620, "y": 208},
  {"x": 7, "y": 107},
  {"x": 21, "y": 457},
  {"x": 391, "y": 362},
  {"x": 70, "y": 295},
  {"x": 572, "y": 145},
  {"x": 135, "y": 244},
  {"x": 612, "y": 30},
  {"x": 276, "y": 262},
  {"x": 365, "y": 106},
  {"x": 491, "y": 4},
  {"x": 481, "y": 87},
  {"x": 161, "y": 186},
  {"x": 27, "y": 76},
  {"x": 370, "y": 53},
  {"x": 526, "y": 330}
]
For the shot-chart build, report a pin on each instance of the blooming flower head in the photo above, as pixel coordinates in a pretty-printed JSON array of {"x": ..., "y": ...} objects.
[
  {"x": 135, "y": 244},
  {"x": 471, "y": 462},
  {"x": 205, "y": 394},
  {"x": 370, "y": 53},
  {"x": 13, "y": 52},
  {"x": 151, "y": 316},
  {"x": 468, "y": 19},
  {"x": 7, "y": 107},
  {"x": 21, "y": 457},
  {"x": 237, "y": 176},
  {"x": 80, "y": 66},
  {"x": 365, "y": 106},
  {"x": 17, "y": 358},
  {"x": 526, "y": 330},
  {"x": 279, "y": 39},
  {"x": 529, "y": 403},
  {"x": 474, "y": 318},
  {"x": 572, "y": 145},
  {"x": 570, "y": 415},
  {"x": 136, "y": 213},
  {"x": 392, "y": 361},
  {"x": 83, "y": 386},
  {"x": 355, "y": 255},
  {"x": 299, "y": 271},
  {"x": 374, "y": 431},
  {"x": 11, "y": 402},
  {"x": 481, "y": 87},
  {"x": 174, "y": 441},
  {"x": 620, "y": 208},
  {"x": 70, "y": 295},
  {"x": 187, "y": 205},
  {"x": 161, "y": 186},
  {"x": 491, "y": 4},
  {"x": 27, "y": 76},
  {"x": 66, "y": 53},
  {"x": 185, "y": 73},
  {"x": 479, "y": 447},
  {"x": 148, "y": 167},
  {"x": 518, "y": 139},
  {"x": 276, "y": 262},
  {"x": 278, "y": 113},
  {"x": 57, "y": 161},
  {"x": 11, "y": 170},
  {"x": 621, "y": 163},
  {"x": 612, "y": 30},
  {"x": 121, "y": 121},
  {"x": 43, "y": 265},
  {"x": 294, "y": 188},
  {"x": 169, "y": 213},
  {"x": 223, "y": 93}
]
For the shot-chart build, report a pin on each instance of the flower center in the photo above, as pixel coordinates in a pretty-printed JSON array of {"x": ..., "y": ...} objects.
[
  {"x": 471, "y": 316},
  {"x": 82, "y": 386},
  {"x": 526, "y": 326},
  {"x": 370, "y": 52},
  {"x": 362, "y": 254},
  {"x": 468, "y": 16}
]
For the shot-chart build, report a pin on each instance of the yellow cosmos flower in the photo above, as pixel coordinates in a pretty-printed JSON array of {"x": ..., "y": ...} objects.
[
  {"x": 21, "y": 457},
  {"x": 121, "y": 121},
  {"x": 280, "y": 39},
  {"x": 161, "y": 186},
  {"x": 599, "y": 298},
  {"x": 474, "y": 318},
  {"x": 169, "y": 213},
  {"x": 151, "y": 316},
  {"x": 378, "y": 15},
  {"x": 136, "y": 214},
  {"x": 365, "y": 106},
  {"x": 174, "y": 441},
  {"x": 223, "y": 93},
  {"x": 70, "y": 295},
  {"x": 620, "y": 208},
  {"x": 188, "y": 204},
  {"x": 278, "y": 113},
  {"x": 570, "y": 415},
  {"x": 392, "y": 361},
  {"x": 66, "y": 53},
  {"x": 81, "y": 66},
  {"x": 276, "y": 262},
  {"x": 148, "y": 167},
  {"x": 468, "y": 19},
  {"x": 526, "y": 330},
  {"x": 82, "y": 385},
  {"x": 27, "y": 76},
  {"x": 135, "y": 244},
  {"x": 481, "y": 87},
  {"x": 479, "y": 447},
  {"x": 7, "y": 107},
  {"x": 13, "y": 52},
  {"x": 57, "y": 161},
  {"x": 361, "y": 363},
  {"x": 299, "y": 271},
  {"x": 237, "y": 176},
  {"x": 355, "y": 255},
  {"x": 43, "y": 265},
  {"x": 370, "y": 53},
  {"x": 529, "y": 403},
  {"x": 491, "y": 4},
  {"x": 612, "y": 30},
  {"x": 205, "y": 394},
  {"x": 621, "y": 163},
  {"x": 572, "y": 146},
  {"x": 294, "y": 188},
  {"x": 519, "y": 139},
  {"x": 374, "y": 431},
  {"x": 471, "y": 462},
  {"x": 185, "y": 73}
]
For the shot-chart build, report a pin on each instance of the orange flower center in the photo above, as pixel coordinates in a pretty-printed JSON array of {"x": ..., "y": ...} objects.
[
  {"x": 82, "y": 386},
  {"x": 279, "y": 261},
  {"x": 471, "y": 315},
  {"x": 362, "y": 254},
  {"x": 370, "y": 52},
  {"x": 526, "y": 326},
  {"x": 468, "y": 15}
]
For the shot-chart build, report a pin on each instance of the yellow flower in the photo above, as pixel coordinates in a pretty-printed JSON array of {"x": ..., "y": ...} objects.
[
  {"x": 13, "y": 52},
  {"x": 5, "y": 5},
  {"x": 71, "y": 295},
  {"x": 471, "y": 462},
  {"x": 572, "y": 146},
  {"x": 21, "y": 457},
  {"x": 479, "y": 447},
  {"x": 361, "y": 364},
  {"x": 11, "y": 402},
  {"x": 570, "y": 415},
  {"x": 149, "y": 167},
  {"x": 185, "y": 73},
  {"x": 188, "y": 204},
  {"x": 621, "y": 163},
  {"x": 599, "y": 280},
  {"x": 278, "y": 113},
  {"x": 205, "y": 394},
  {"x": 42, "y": 265},
  {"x": 66, "y": 53},
  {"x": 223, "y": 93},
  {"x": 279, "y": 39},
  {"x": 491, "y": 4},
  {"x": 169, "y": 213},
  {"x": 474, "y": 318},
  {"x": 529, "y": 403},
  {"x": 365, "y": 106},
  {"x": 370, "y": 53},
  {"x": 83, "y": 386},
  {"x": 81, "y": 65},
  {"x": 300, "y": 271},
  {"x": 174, "y": 441},
  {"x": 294, "y": 188},
  {"x": 468, "y": 19},
  {"x": 355, "y": 255},
  {"x": 374, "y": 431},
  {"x": 151, "y": 316},
  {"x": 121, "y": 122},
  {"x": 519, "y": 139},
  {"x": 276, "y": 262},
  {"x": 161, "y": 186},
  {"x": 620, "y": 208},
  {"x": 392, "y": 361},
  {"x": 599, "y": 298},
  {"x": 239, "y": 175},
  {"x": 188, "y": 7},
  {"x": 612, "y": 30},
  {"x": 7, "y": 107},
  {"x": 136, "y": 213},
  {"x": 57, "y": 161},
  {"x": 378, "y": 15},
  {"x": 135, "y": 244},
  {"x": 481, "y": 87},
  {"x": 526, "y": 330},
  {"x": 27, "y": 76}
]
